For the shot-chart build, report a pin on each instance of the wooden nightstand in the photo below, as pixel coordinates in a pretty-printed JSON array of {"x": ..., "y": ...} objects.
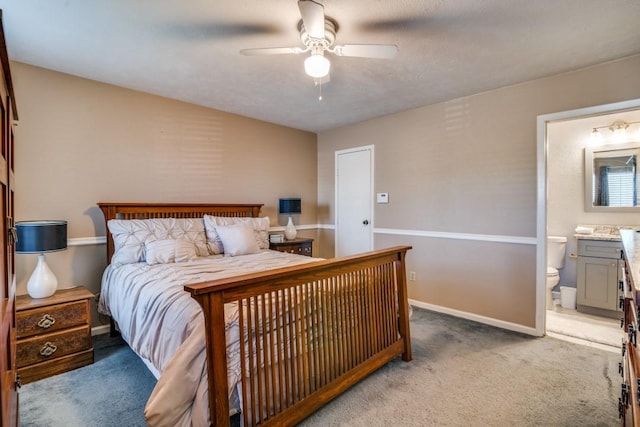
[
  {"x": 54, "y": 333},
  {"x": 295, "y": 246}
]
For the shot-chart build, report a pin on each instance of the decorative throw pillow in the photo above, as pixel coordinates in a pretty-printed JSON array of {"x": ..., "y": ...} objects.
[
  {"x": 237, "y": 239},
  {"x": 169, "y": 250},
  {"x": 189, "y": 229},
  {"x": 260, "y": 228},
  {"x": 130, "y": 236}
]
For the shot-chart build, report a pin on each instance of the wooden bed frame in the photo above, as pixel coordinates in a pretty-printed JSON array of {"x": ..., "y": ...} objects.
[{"x": 311, "y": 331}]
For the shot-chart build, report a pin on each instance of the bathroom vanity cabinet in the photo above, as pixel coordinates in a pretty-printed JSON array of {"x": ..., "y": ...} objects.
[{"x": 598, "y": 276}]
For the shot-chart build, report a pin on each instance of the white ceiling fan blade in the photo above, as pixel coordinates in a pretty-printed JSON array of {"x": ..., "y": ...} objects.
[
  {"x": 312, "y": 14},
  {"x": 382, "y": 51},
  {"x": 272, "y": 51}
]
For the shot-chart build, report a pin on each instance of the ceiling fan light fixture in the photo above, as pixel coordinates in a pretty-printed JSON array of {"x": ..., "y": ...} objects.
[
  {"x": 318, "y": 35},
  {"x": 317, "y": 66}
]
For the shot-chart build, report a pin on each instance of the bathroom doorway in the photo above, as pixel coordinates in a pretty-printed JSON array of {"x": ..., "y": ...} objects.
[{"x": 562, "y": 138}]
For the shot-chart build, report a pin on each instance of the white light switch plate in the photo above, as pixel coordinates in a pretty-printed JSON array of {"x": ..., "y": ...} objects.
[{"x": 382, "y": 197}]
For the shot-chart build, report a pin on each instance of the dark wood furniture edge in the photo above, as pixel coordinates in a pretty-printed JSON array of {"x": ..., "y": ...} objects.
[
  {"x": 296, "y": 241},
  {"x": 79, "y": 293},
  {"x": 4, "y": 57},
  {"x": 57, "y": 366},
  {"x": 630, "y": 364}
]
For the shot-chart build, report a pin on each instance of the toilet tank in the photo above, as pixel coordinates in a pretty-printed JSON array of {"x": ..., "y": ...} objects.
[{"x": 556, "y": 249}]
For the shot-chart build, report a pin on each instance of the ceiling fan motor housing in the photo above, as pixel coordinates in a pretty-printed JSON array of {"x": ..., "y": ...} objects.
[{"x": 330, "y": 30}]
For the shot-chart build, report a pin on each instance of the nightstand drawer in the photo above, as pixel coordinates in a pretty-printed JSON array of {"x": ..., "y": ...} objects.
[
  {"x": 53, "y": 333},
  {"x": 300, "y": 250},
  {"x": 53, "y": 345},
  {"x": 49, "y": 319},
  {"x": 296, "y": 246}
]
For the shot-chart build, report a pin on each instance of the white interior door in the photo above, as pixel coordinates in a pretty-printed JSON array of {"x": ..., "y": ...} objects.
[{"x": 354, "y": 200}]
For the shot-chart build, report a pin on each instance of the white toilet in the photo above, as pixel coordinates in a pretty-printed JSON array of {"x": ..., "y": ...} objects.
[{"x": 556, "y": 249}]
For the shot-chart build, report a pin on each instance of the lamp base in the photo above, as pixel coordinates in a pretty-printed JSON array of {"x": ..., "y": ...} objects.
[
  {"x": 43, "y": 282},
  {"x": 290, "y": 230}
]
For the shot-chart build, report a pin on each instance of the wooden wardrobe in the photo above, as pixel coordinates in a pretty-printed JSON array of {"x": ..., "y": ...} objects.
[{"x": 9, "y": 382}]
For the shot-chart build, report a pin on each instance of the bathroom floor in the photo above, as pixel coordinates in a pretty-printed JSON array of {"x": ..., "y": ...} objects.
[{"x": 586, "y": 329}]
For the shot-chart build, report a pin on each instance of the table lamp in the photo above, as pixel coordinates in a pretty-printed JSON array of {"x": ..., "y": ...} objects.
[
  {"x": 289, "y": 207},
  {"x": 39, "y": 237}
]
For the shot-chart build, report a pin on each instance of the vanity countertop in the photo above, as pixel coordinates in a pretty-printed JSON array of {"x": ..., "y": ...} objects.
[
  {"x": 631, "y": 247},
  {"x": 598, "y": 236},
  {"x": 603, "y": 232}
]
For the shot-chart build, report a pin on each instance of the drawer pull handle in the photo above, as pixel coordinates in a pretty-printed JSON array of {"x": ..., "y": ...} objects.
[
  {"x": 46, "y": 322},
  {"x": 624, "y": 394},
  {"x": 621, "y": 409},
  {"x": 48, "y": 349}
]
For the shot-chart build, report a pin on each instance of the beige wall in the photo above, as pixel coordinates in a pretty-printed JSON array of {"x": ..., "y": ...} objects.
[
  {"x": 467, "y": 168},
  {"x": 79, "y": 142}
]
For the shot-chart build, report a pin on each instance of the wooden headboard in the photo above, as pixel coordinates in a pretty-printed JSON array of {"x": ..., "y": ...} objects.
[{"x": 114, "y": 210}]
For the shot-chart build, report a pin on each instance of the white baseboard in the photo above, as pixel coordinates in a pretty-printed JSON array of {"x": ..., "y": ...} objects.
[
  {"x": 100, "y": 330},
  {"x": 475, "y": 317},
  {"x": 87, "y": 241}
]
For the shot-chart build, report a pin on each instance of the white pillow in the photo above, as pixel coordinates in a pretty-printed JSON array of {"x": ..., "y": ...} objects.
[
  {"x": 169, "y": 250},
  {"x": 237, "y": 239},
  {"x": 260, "y": 230},
  {"x": 130, "y": 236}
]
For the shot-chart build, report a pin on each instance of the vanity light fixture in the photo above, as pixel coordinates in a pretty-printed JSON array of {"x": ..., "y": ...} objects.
[{"x": 618, "y": 128}]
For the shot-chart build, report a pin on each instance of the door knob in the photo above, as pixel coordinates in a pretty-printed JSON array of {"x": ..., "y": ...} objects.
[{"x": 365, "y": 222}]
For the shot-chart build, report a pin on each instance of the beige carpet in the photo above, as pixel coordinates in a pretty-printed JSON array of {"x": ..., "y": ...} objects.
[
  {"x": 467, "y": 374},
  {"x": 463, "y": 374}
]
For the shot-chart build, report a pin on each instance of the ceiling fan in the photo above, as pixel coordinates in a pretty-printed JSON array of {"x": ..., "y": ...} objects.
[{"x": 318, "y": 35}]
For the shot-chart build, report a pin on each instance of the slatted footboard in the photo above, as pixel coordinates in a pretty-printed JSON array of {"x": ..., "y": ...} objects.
[{"x": 309, "y": 333}]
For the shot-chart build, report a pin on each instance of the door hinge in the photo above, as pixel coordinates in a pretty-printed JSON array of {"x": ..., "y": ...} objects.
[{"x": 12, "y": 232}]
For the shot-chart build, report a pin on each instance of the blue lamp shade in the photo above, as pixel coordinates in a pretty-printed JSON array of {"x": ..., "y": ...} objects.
[
  {"x": 290, "y": 206},
  {"x": 38, "y": 237}
]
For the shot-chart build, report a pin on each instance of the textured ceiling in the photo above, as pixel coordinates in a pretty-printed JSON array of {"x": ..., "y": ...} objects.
[{"x": 188, "y": 50}]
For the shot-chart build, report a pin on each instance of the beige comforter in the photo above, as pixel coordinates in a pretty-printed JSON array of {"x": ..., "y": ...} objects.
[{"x": 165, "y": 327}]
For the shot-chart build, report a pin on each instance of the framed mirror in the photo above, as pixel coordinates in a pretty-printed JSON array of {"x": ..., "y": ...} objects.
[{"x": 612, "y": 178}]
